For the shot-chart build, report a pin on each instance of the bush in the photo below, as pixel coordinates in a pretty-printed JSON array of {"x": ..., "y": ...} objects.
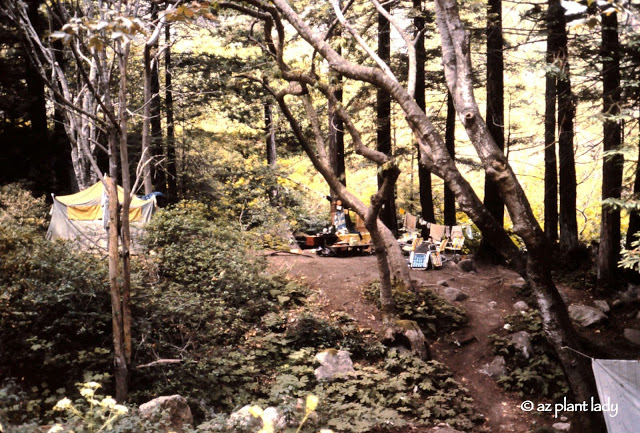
[
  {"x": 55, "y": 313},
  {"x": 432, "y": 312},
  {"x": 540, "y": 374}
]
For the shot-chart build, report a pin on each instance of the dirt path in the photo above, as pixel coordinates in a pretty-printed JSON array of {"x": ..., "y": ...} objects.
[{"x": 338, "y": 282}]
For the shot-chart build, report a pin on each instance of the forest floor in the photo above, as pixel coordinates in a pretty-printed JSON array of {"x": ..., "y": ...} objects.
[{"x": 338, "y": 284}]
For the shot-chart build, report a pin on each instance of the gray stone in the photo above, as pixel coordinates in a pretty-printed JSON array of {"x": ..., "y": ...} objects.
[
  {"x": 520, "y": 306},
  {"x": 174, "y": 409},
  {"x": 443, "y": 283},
  {"x": 616, "y": 303},
  {"x": 632, "y": 335},
  {"x": 520, "y": 285},
  {"x": 333, "y": 363},
  {"x": 443, "y": 428},
  {"x": 522, "y": 341},
  {"x": 453, "y": 294},
  {"x": 492, "y": 304},
  {"x": 602, "y": 305},
  {"x": 562, "y": 426},
  {"x": 586, "y": 316},
  {"x": 403, "y": 331},
  {"x": 496, "y": 368},
  {"x": 467, "y": 265}
]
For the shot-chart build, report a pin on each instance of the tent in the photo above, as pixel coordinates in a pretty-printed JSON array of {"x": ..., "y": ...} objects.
[{"x": 84, "y": 216}]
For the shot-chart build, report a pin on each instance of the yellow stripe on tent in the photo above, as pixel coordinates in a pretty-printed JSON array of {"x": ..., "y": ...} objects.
[{"x": 84, "y": 213}]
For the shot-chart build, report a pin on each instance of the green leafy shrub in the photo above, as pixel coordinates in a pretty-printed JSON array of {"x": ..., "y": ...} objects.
[
  {"x": 55, "y": 313},
  {"x": 539, "y": 375},
  {"x": 432, "y": 312}
]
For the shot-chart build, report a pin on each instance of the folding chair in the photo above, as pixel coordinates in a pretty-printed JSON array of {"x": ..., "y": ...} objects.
[
  {"x": 437, "y": 255},
  {"x": 456, "y": 245}
]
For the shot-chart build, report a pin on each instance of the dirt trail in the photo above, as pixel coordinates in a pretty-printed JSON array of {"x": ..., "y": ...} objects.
[{"x": 338, "y": 282}]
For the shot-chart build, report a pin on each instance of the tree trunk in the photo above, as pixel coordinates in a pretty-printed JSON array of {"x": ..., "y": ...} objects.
[
  {"x": 383, "y": 121},
  {"x": 566, "y": 115},
  {"x": 424, "y": 175},
  {"x": 157, "y": 145},
  {"x": 146, "y": 123},
  {"x": 336, "y": 127},
  {"x": 495, "y": 115},
  {"x": 550, "y": 161},
  {"x": 126, "y": 202},
  {"x": 450, "y": 218},
  {"x": 172, "y": 171},
  {"x": 612, "y": 166},
  {"x": 270, "y": 134}
]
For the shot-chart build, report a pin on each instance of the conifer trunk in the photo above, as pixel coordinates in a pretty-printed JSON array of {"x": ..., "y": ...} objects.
[{"x": 612, "y": 166}]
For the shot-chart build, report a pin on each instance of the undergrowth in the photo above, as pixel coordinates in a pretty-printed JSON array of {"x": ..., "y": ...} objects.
[
  {"x": 432, "y": 312},
  {"x": 540, "y": 375}
]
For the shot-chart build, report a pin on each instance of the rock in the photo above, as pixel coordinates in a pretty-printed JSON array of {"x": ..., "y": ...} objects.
[
  {"x": 407, "y": 333},
  {"x": 602, "y": 305},
  {"x": 616, "y": 303},
  {"x": 632, "y": 335},
  {"x": 520, "y": 306},
  {"x": 496, "y": 368},
  {"x": 467, "y": 265},
  {"x": 562, "y": 426},
  {"x": 522, "y": 341},
  {"x": 453, "y": 294},
  {"x": 444, "y": 428},
  {"x": 244, "y": 421},
  {"x": 492, "y": 304},
  {"x": 443, "y": 283},
  {"x": 174, "y": 409},
  {"x": 586, "y": 316},
  {"x": 520, "y": 285},
  {"x": 333, "y": 363}
]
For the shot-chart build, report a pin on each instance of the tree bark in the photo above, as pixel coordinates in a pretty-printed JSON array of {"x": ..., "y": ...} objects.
[
  {"x": 172, "y": 171},
  {"x": 550, "y": 160},
  {"x": 383, "y": 121},
  {"x": 157, "y": 145},
  {"x": 566, "y": 115},
  {"x": 495, "y": 115},
  {"x": 336, "y": 126},
  {"x": 612, "y": 166},
  {"x": 450, "y": 142},
  {"x": 424, "y": 175}
]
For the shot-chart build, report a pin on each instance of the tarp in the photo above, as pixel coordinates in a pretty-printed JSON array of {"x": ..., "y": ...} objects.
[
  {"x": 83, "y": 216},
  {"x": 618, "y": 384}
]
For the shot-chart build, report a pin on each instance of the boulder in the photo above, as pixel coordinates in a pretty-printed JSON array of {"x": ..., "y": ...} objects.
[
  {"x": 562, "y": 426},
  {"x": 496, "y": 368},
  {"x": 443, "y": 283},
  {"x": 443, "y": 428},
  {"x": 522, "y": 341},
  {"x": 467, "y": 265},
  {"x": 333, "y": 363},
  {"x": 453, "y": 294},
  {"x": 520, "y": 285},
  {"x": 174, "y": 409},
  {"x": 602, "y": 305},
  {"x": 243, "y": 420},
  {"x": 632, "y": 335},
  {"x": 520, "y": 306},
  {"x": 407, "y": 333},
  {"x": 586, "y": 316}
]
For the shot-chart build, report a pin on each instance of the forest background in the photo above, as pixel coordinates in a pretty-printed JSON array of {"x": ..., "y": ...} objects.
[{"x": 196, "y": 95}]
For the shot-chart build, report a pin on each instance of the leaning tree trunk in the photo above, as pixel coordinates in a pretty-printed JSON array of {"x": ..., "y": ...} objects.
[
  {"x": 556, "y": 322},
  {"x": 612, "y": 166}
]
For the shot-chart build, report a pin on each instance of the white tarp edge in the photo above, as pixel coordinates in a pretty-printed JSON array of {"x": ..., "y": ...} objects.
[{"x": 618, "y": 384}]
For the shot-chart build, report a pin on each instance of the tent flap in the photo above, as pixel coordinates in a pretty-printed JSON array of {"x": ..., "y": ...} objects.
[{"x": 618, "y": 384}]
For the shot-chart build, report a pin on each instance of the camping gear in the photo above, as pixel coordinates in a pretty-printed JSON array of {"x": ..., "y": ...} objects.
[{"x": 84, "y": 217}]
